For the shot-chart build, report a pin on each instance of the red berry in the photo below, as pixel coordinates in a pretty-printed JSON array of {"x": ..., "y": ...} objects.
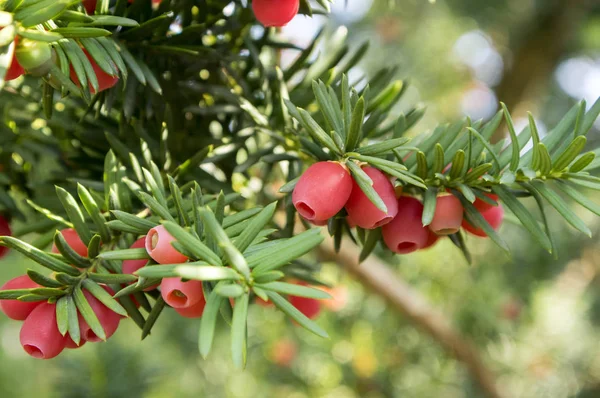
[
  {"x": 195, "y": 311},
  {"x": 39, "y": 335},
  {"x": 108, "y": 318},
  {"x": 362, "y": 211},
  {"x": 275, "y": 12},
  {"x": 448, "y": 215},
  {"x": 130, "y": 266},
  {"x": 179, "y": 294},
  {"x": 90, "y": 6},
  {"x": 483, "y": 206},
  {"x": 4, "y": 231},
  {"x": 339, "y": 298},
  {"x": 15, "y": 309},
  {"x": 70, "y": 344},
  {"x": 431, "y": 240},
  {"x": 284, "y": 352},
  {"x": 493, "y": 216},
  {"x": 15, "y": 69},
  {"x": 158, "y": 245},
  {"x": 322, "y": 191},
  {"x": 105, "y": 81},
  {"x": 308, "y": 306},
  {"x": 406, "y": 233},
  {"x": 74, "y": 241}
]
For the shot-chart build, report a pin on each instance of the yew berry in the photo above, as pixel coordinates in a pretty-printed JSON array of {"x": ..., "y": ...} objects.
[
  {"x": 15, "y": 69},
  {"x": 406, "y": 233},
  {"x": 493, "y": 216},
  {"x": 431, "y": 240},
  {"x": 105, "y": 81},
  {"x": 195, "y": 311},
  {"x": 158, "y": 245},
  {"x": 308, "y": 306},
  {"x": 74, "y": 241},
  {"x": 448, "y": 215},
  {"x": 90, "y": 6},
  {"x": 322, "y": 191},
  {"x": 338, "y": 300},
  {"x": 275, "y": 12},
  {"x": 108, "y": 318},
  {"x": 180, "y": 294},
  {"x": 4, "y": 231},
  {"x": 15, "y": 309},
  {"x": 284, "y": 352},
  {"x": 360, "y": 208},
  {"x": 130, "y": 266},
  {"x": 70, "y": 344},
  {"x": 39, "y": 335},
  {"x": 482, "y": 205},
  {"x": 34, "y": 56}
]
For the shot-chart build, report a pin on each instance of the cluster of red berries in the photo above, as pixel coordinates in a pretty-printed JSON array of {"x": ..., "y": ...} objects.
[
  {"x": 275, "y": 12},
  {"x": 35, "y": 58},
  {"x": 326, "y": 188},
  {"x": 39, "y": 335}
]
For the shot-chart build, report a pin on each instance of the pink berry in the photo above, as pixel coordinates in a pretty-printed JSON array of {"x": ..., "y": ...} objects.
[
  {"x": 195, "y": 311},
  {"x": 15, "y": 309},
  {"x": 179, "y": 294},
  {"x": 406, "y": 233},
  {"x": 39, "y": 336},
  {"x": 432, "y": 240},
  {"x": 275, "y": 12},
  {"x": 74, "y": 241},
  {"x": 448, "y": 215},
  {"x": 108, "y": 318},
  {"x": 158, "y": 246},
  {"x": 4, "y": 231},
  {"x": 308, "y": 306},
  {"x": 70, "y": 344},
  {"x": 483, "y": 206},
  {"x": 322, "y": 191},
  {"x": 493, "y": 216},
  {"x": 362, "y": 211},
  {"x": 130, "y": 266}
]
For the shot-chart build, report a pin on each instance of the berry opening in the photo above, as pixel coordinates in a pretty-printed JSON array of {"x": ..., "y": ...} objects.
[
  {"x": 33, "y": 351},
  {"x": 305, "y": 210},
  {"x": 153, "y": 240},
  {"x": 407, "y": 247},
  {"x": 447, "y": 231},
  {"x": 177, "y": 297}
]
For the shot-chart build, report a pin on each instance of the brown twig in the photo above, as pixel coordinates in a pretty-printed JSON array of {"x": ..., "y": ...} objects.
[{"x": 379, "y": 277}]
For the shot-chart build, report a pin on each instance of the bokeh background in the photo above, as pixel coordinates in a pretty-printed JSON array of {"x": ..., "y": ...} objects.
[{"x": 534, "y": 319}]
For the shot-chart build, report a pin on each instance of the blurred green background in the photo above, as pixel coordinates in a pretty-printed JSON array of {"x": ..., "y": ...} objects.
[{"x": 534, "y": 319}]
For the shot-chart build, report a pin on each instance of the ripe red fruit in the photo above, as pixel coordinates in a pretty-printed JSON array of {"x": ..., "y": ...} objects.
[
  {"x": 130, "y": 266},
  {"x": 4, "y": 231},
  {"x": 15, "y": 309},
  {"x": 105, "y": 81},
  {"x": 70, "y": 344},
  {"x": 362, "y": 211},
  {"x": 448, "y": 215},
  {"x": 431, "y": 240},
  {"x": 195, "y": 311},
  {"x": 275, "y": 12},
  {"x": 406, "y": 233},
  {"x": 322, "y": 191},
  {"x": 308, "y": 306},
  {"x": 179, "y": 294},
  {"x": 90, "y": 6},
  {"x": 493, "y": 216},
  {"x": 483, "y": 206},
  {"x": 108, "y": 318},
  {"x": 158, "y": 245},
  {"x": 39, "y": 335},
  {"x": 74, "y": 241},
  {"x": 15, "y": 69}
]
